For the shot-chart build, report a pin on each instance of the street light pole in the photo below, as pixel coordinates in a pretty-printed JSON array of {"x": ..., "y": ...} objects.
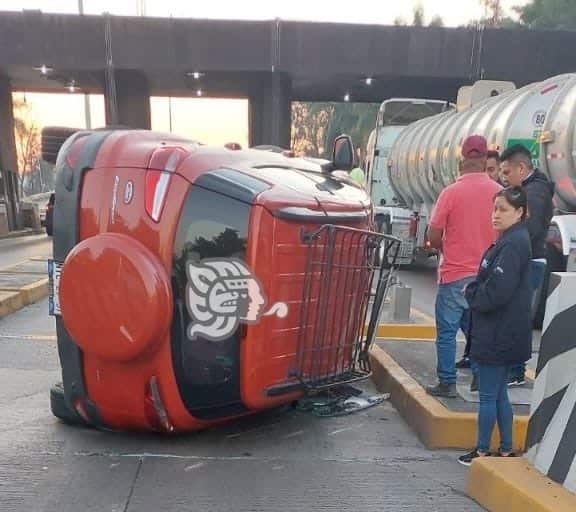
[{"x": 87, "y": 113}]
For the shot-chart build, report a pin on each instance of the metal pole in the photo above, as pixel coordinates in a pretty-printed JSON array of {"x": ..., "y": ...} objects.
[{"x": 87, "y": 113}]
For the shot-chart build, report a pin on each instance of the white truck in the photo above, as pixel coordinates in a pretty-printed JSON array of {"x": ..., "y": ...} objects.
[
  {"x": 394, "y": 215},
  {"x": 410, "y": 164}
]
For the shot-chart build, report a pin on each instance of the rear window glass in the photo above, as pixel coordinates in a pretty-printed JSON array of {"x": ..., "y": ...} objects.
[{"x": 211, "y": 225}]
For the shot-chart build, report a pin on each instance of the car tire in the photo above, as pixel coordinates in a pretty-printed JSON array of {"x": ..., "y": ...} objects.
[{"x": 60, "y": 409}]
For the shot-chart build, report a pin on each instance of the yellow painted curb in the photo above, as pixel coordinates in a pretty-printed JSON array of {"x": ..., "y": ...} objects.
[
  {"x": 436, "y": 426},
  {"x": 424, "y": 332},
  {"x": 13, "y": 300},
  {"x": 514, "y": 485},
  {"x": 35, "y": 291},
  {"x": 10, "y": 302}
]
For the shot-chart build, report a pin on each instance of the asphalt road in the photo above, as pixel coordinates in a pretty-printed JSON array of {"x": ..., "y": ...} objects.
[
  {"x": 281, "y": 460},
  {"x": 14, "y": 250}
]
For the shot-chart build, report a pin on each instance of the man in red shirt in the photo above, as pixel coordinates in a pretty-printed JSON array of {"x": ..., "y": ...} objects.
[{"x": 461, "y": 228}]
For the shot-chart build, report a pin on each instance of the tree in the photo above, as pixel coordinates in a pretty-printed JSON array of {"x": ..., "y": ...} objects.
[
  {"x": 400, "y": 22},
  {"x": 309, "y": 124},
  {"x": 316, "y": 125},
  {"x": 436, "y": 21},
  {"x": 27, "y": 136},
  {"x": 493, "y": 16},
  {"x": 549, "y": 14},
  {"x": 418, "y": 20}
]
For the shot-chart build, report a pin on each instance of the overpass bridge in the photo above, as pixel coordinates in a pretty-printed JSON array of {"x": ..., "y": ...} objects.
[{"x": 271, "y": 63}]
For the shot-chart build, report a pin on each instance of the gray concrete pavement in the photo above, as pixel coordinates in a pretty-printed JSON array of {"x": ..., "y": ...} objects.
[
  {"x": 15, "y": 250},
  {"x": 280, "y": 460}
]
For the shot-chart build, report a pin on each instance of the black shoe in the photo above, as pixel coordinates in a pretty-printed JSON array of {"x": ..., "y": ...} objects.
[
  {"x": 467, "y": 459},
  {"x": 443, "y": 390},
  {"x": 474, "y": 384},
  {"x": 463, "y": 363},
  {"x": 516, "y": 380}
]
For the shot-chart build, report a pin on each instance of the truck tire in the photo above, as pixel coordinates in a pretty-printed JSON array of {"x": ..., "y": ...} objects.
[
  {"x": 383, "y": 227},
  {"x": 379, "y": 259},
  {"x": 60, "y": 409},
  {"x": 52, "y": 139}
]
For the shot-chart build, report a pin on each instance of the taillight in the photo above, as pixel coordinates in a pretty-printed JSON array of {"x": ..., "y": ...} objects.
[
  {"x": 156, "y": 414},
  {"x": 413, "y": 230},
  {"x": 155, "y": 194},
  {"x": 163, "y": 163}
]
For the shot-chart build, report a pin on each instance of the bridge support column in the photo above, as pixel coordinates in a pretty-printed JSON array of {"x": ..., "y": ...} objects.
[
  {"x": 270, "y": 110},
  {"x": 8, "y": 159},
  {"x": 128, "y": 102}
]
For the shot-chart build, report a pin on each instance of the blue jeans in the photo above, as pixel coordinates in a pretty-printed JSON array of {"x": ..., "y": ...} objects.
[
  {"x": 451, "y": 315},
  {"x": 537, "y": 269},
  {"x": 494, "y": 405}
]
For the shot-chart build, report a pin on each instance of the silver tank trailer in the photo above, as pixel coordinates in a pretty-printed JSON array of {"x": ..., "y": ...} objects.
[{"x": 424, "y": 158}]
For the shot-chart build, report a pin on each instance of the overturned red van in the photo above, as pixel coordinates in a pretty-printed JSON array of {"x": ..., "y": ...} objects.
[{"x": 195, "y": 284}]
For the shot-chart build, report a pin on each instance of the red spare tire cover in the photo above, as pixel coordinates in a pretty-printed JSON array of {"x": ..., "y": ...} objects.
[{"x": 115, "y": 296}]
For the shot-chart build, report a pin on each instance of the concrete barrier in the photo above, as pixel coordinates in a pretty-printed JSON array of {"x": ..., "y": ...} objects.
[
  {"x": 544, "y": 481},
  {"x": 551, "y": 438}
]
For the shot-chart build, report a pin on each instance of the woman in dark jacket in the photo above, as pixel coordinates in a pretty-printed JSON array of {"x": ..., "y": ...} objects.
[{"x": 501, "y": 332}]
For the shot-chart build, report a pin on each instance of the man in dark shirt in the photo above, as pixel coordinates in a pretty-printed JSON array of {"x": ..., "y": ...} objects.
[{"x": 517, "y": 170}]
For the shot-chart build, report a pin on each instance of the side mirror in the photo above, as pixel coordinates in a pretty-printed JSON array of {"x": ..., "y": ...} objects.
[{"x": 343, "y": 153}]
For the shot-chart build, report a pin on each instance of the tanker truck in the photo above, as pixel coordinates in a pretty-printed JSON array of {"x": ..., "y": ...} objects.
[{"x": 408, "y": 167}]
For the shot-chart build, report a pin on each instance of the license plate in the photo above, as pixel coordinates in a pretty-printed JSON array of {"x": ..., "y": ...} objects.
[{"x": 54, "y": 270}]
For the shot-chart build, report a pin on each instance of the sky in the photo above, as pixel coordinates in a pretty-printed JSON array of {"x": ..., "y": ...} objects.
[
  {"x": 68, "y": 109},
  {"x": 453, "y": 12}
]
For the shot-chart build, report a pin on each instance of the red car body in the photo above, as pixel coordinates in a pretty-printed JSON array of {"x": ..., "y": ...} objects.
[{"x": 145, "y": 346}]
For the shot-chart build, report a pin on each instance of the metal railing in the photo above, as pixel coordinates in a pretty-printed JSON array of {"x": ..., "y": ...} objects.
[{"x": 338, "y": 323}]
